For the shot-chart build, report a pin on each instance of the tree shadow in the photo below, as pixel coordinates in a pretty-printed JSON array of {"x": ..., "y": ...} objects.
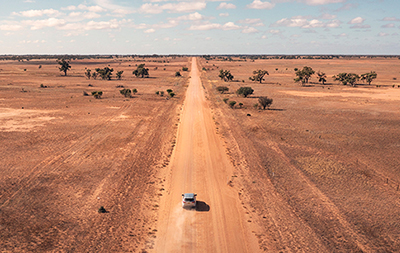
[{"x": 202, "y": 206}]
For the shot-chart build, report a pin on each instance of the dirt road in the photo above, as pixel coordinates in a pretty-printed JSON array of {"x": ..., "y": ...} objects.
[{"x": 199, "y": 164}]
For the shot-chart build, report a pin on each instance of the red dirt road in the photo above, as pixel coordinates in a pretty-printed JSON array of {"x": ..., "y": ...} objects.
[{"x": 199, "y": 164}]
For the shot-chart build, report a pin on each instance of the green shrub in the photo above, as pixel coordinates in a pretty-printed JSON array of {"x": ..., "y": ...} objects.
[
  {"x": 225, "y": 100},
  {"x": 102, "y": 210},
  {"x": 169, "y": 90},
  {"x": 172, "y": 94},
  {"x": 134, "y": 91},
  {"x": 185, "y": 69},
  {"x": 222, "y": 89},
  {"x": 178, "y": 74},
  {"x": 97, "y": 94},
  {"x": 126, "y": 92},
  {"x": 232, "y": 104},
  {"x": 157, "y": 93},
  {"x": 245, "y": 91}
]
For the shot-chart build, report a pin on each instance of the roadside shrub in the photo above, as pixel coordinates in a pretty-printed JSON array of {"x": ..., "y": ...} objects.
[
  {"x": 265, "y": 102},
  {"x": 245, "y": 91},
  {"x": 232, "y": 104},
  {"x": 222, "y": 89},
  {"x": 225, "y": 100},
  {"x": 97, "y": 94},
  {"x": 126, "y": 92}
]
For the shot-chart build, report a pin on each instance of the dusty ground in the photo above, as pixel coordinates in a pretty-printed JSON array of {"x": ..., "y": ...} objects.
[
  {"x": 316, "y": 173},
  {"x": 320, "y": 170},
  {"x": 63, "y": 155}
]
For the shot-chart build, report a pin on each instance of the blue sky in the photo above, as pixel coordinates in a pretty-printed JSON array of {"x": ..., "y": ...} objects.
[{"x": 200, "y": 27}]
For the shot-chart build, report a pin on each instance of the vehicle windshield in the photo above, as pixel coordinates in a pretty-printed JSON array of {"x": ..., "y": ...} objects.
[{"x": 191, "y": 199}]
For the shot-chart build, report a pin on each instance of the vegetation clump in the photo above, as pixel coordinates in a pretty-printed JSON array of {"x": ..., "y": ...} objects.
[
  {"x": 258, "y": 75},
  {"x": 141, "y": 71},
  {"x": 222, "y": 89},
  {"x": 245, "y": 91},
  {"x": 232, "y": 104},
  {"x": 126, "y": 92},
  {"x": 265, "y": 102},
  {"x": 97, "y": 94},
  {"x": 105, "y": 73},
  {"x": 225, "y": 75}
]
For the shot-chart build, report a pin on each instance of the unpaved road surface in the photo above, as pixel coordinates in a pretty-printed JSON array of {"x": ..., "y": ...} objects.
[{"x": 199, "y": 164}]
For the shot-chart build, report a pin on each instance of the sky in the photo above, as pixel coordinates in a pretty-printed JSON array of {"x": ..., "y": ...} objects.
[{"x": 199, "y": 27}]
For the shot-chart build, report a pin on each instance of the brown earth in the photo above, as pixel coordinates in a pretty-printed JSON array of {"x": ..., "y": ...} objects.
[{"x": 318, "y": 172}]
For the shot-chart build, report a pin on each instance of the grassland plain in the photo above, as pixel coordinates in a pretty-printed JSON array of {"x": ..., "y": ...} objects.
[
  {"x": 64, "y": 155},
  {"x": 319, "y": 171}
]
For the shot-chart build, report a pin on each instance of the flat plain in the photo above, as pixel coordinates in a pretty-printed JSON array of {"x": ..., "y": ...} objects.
[{"x": 318, "y": 171}]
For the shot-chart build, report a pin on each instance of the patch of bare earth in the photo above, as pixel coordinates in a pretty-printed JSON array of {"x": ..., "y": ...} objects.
[
  {"x": 319, "y": 171},
  {"x": 64, "y": 155}
]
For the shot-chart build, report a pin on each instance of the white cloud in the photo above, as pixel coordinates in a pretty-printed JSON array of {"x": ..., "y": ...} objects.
[
  {"x": 29, "y": 1},
  {"x": 257, "y": 4},
  {"x": 226, "y": 6},
  {"x": 321, "y": 2},
  {"x": 303, "y": 22},
  {"x": 224, "y": 14},
  {"x": 39, "y": 24},
  {"x": 382, "y": 34},
  {"x": 250, "y": 30},
  {"x": 37, "y": 13},
  {"x": 95, "y": 8},
  {"x": 358, "y": 20},
  {"x": 149, "y": 30},
  {"x": 391, "y": 19},
  {"x": 10, "y": 27},
  {"x": 172, "y": 7},
  {"x": 360, "y": 26},
  {"x": 391, "y": 25},
  {"x": 211, "y": 26}
]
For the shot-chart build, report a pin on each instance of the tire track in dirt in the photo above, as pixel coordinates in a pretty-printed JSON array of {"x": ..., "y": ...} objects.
[{"x": 52, "y": 163}]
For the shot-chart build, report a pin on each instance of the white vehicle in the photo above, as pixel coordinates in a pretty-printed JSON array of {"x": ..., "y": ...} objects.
[{"x": 189, "y": 200}]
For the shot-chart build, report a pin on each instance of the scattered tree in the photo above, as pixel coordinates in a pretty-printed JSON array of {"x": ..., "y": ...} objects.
[
  {"x": 245, "y": 91},
  {"x": 126, "y": 92},
  {"x": 225, "y": 100},
  {"x": 304, "y": 75},
  {"x": 369, "y": 77},
  {"x": 171, "y": 94},
  {"x": 321, "y": 77},
  {"x": 97, "y": 94},
  {"x": 141, "y": 71},
  {"x": 232, "y": 104},
  {"x": 88, "y": 74},
  {"x": 134, "y": 91},
  {"x": 94, "y": 75},
  {"x": 177, "y": 74},
  {"x": 64, "y": 66},
  {"x": 240, "y": 105},
  {"x": 119, "y": 74},
  {"x": 265, "y": 102},
  {"x": 105, "y": 73},
  {"x": 347, "y": 78},
  {"x": 258, "y": 75},
  {"x": 225, "y": 75},
  {"x": 222, "y": 89}
]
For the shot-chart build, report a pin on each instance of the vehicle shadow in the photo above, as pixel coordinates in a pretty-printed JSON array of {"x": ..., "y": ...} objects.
[{"x": 202, "y": 206}]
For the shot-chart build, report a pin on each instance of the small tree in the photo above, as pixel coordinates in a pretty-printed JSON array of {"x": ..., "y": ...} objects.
[
  {"x": 97, "y": 94},
  {"x": 321, "y": 77},
  {"x": 225, "y": 75},
  {"x": 169, "y": 90},
  {"x": 245, "y": 91},
  {"x": 119, "y": 74},
  {"x": 94, "y": 75},
  {"x": 64, "y": 66},
  {"x": 265, "y": 102},
  {"x": 304, "y": 75},
  {"x": 347, "y": 78},
  {"x": 134, "y": 91},
  {"x": 171, "y": 94},
  {"x": 222, "y": 89},
  {"x": 88, "y": 74},
  {"x": 258, "y": 75},
  {"x": 240, "y": 105},
  {"x": 225, "y": 100},
  {"x": 178, "y": 74},
  {"x": 369, "y": 77},
  {"x": 105, "y": 73},
  {"x": 185, "y": 69},
  {"x": 126, "y": 92},
  {"x": 141, "y": 71},
  {"x": 232, "y": 104}
]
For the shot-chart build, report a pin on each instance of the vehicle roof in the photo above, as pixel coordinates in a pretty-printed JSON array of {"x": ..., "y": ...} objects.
[{"x": 188, "y": 195}]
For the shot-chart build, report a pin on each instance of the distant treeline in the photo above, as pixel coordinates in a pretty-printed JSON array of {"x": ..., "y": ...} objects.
[
  {"x": 81, "y": 57},
  {"x": 266, "y": 57},
  {"x": 207, "y": 57}
]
